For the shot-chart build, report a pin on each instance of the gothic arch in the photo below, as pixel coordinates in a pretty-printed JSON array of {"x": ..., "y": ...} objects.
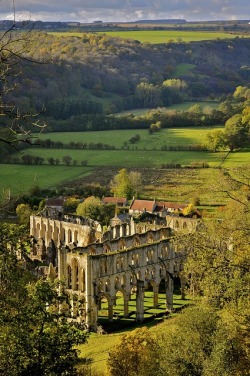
[
  {"x": 107, "y": 285},
  {"x": 132, "y": 279},
  {"x": 150, "y": 238},
  {"x": 136, "y": 241},
  {"x": 123, "y": 280},
  {"x": 82, "y": 280},
  {"x": 117, "y": 283},
  {"x": 121, "y": 244},
  {"x": 69, "y": 236},
  {"x": 69, "y": 277},
  {"x": 118, "y": 264},
  {"x": 122, "y": 263},
  {"x": 163, "y": 233},
  {"x": 75, "y": 274},
  {"x": 106, "y": 248}
]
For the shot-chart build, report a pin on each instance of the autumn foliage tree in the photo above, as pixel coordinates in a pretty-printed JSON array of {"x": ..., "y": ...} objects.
[
  {"x": 137, "y": 354},
  {"x": 35, "y": 339}
]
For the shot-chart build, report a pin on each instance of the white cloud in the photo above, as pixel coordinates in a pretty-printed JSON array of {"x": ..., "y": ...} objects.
[{"x": 124, "y": 10}]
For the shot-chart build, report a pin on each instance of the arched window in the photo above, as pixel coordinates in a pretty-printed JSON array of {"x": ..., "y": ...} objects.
[
  {"x": 123, "y": 281},
  {"x": 133, "y": 260},
  {"x": 82, "y": 280},
  {"x": 107, "y": 285},
  {"x": 122, "y": 263},
  {"x": 117, "y": 283},
  {"x": 69, "y": 277},
  {"x": 118, "y": 263},
  {"x": 137, "y": 262}
]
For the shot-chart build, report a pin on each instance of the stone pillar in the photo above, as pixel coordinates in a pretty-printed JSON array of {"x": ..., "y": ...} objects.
[
  {"x": 81, "y": 308},
  {"x": 74, "y": 306},
  {"x": 155, "y": 289},
  {"x": 183, "y": 283},
  {"x": 126, "y": 310},
  {"x": 139, "y": 300},
  {"x": 110, "y": 310},
  {"x": 169, "y": 293},
  {"x": 91, "y": 300},
  {"x": 62, "y": 263}
]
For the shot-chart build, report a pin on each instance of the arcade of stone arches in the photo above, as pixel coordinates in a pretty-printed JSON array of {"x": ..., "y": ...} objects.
[
  {"x": 95, "y": 265},
  {"x": 90, "y": 279}
]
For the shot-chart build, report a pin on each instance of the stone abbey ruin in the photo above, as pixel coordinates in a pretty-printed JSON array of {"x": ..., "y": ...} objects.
[{"x": 96, "y": 264}]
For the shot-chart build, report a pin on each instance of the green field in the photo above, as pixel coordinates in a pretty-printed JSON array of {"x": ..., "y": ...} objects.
[
  {"x": 132, "y": 158},
  {"x": 97, "y": 347},
  {"x": 166, "y": 36},
  {"x": 172, "y": 137},
  {"x": 179, "y": 107},
  {"x": 19, "y": 178},
  {"x": 146, "y": 154},
  {"x": 160, "y": 36}
]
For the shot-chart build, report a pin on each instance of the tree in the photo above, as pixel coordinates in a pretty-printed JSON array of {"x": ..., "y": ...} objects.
[
  {"x": 236, "y": 133},
  {"x": 203, "y": 341},
  {"x": 135, "y": 182},
  {"x": 137, "y": 354},
  {"x": 216, "y": 140},
  {"x": 17, "y": 124},
  {"x": 120, "y": 184},
  {"x": 126, "y": 184},
  {"x": 67, "y": 159},
  {"x": 34, "y": 337},
  {"x": 23, "y": 212},
  {"x": 70, "y": 204},
  {"x": 93, "y": 208}
]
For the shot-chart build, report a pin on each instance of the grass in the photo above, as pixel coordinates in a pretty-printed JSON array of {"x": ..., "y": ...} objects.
[
  {"x": 130, "y": 158},
  {"x": 182, "y": 69},
  {"x": 179, "y": 107},
  {"x": 160, "y": 36},
  {"x": 19, "y": 179},
  {"x": 166, "y": 36},
  {"x": 172, "y": 137},
  {"x": 98, "y": 346}
]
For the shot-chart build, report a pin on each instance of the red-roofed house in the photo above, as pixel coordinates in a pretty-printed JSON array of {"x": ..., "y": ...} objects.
[
  {"x": 142, "y": 206},
  {"x": 170, "y": 207},
  {"x": 119, "y": 201},
  {"x": 155, "y": 207},
  {"x": 54, "y": 203}
]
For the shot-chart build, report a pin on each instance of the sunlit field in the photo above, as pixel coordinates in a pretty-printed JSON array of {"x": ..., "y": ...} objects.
[{"x": 161, "y": 36}]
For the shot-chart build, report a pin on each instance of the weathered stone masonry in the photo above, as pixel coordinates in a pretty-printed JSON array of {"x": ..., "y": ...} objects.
[{"x": 96, "y": 264}]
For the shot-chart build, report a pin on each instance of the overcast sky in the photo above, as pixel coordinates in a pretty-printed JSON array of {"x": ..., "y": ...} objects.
[{"x": 124, "y": 10}]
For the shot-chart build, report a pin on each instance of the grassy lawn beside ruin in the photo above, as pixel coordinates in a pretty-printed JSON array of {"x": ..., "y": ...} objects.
[{"x": 98, "y": 346}]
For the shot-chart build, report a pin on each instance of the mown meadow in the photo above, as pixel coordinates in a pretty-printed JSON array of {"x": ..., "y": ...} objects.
[
  {"x": 145, "y": 154},
  {"x": 161, "y": 36},
  {"x": 98, "y": 346}
]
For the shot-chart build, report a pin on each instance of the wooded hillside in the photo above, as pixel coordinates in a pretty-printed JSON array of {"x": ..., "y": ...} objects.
[{"x": 96, "y": 74}]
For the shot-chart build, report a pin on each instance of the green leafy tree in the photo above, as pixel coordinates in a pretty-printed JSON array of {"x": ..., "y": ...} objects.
[
  {"x": 215, "y": 140},
  {"x": 187, "y": 343},
  {"x": 17, "y": 123},
  {"x": 34, "y": 338},
  {"x": 203, "y": 341},
  {"x": 24, "y": 212},
  {"x": 93, "y": 208},
  {"x": 126, "y": 184},
  {"x": 67, "y": 159},
  {"x": 120, "y": 184},
  {"x": 236, "y": 133},
  {"x": 137, "y": 354},
  {"x": 71, "y": 204}
]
